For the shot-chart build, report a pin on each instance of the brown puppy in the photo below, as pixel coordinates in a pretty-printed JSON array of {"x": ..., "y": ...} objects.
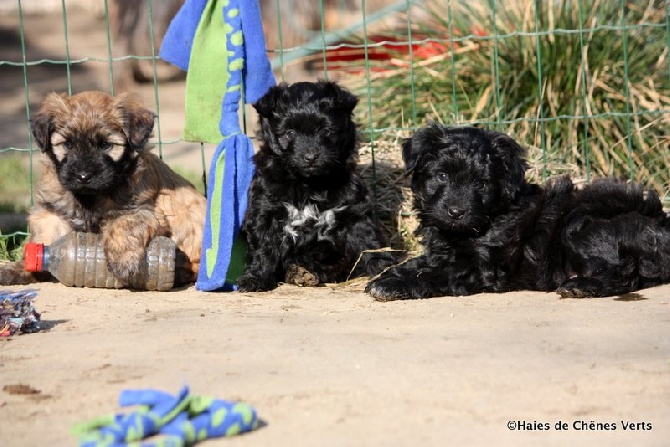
[{"x": 98, "y": 177}]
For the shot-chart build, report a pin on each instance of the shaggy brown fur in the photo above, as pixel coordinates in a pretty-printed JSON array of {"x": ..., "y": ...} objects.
[{"x": 99, "y": 177}]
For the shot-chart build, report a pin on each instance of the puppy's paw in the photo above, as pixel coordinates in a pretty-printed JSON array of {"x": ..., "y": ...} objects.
[
  {"x": 251, "y": 283},
  {"x": 13, "y": 273},
  {"x": 300, "y": 276},
  {"x": 580, "y": 287},
  {"x": 186, "y": 271},
  {"x": 389, "y": 287},
  {"x": 125, "y": 240},
  {"x": 127, "y": 264}
]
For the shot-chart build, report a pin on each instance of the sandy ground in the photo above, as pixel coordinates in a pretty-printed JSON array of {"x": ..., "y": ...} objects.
[{"x": 332, "y": 367}]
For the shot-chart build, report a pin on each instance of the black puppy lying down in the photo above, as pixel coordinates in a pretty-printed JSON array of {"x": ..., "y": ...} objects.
[
  {"x": 310, "y": 216},
  {"x": 485, "y": 229}
]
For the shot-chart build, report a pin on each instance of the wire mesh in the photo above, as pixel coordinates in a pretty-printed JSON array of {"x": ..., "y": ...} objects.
[{"x": 585, "y": 84}]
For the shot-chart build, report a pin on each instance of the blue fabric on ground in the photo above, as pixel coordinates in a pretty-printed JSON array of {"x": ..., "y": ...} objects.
[{"x": 178, "y": 420}]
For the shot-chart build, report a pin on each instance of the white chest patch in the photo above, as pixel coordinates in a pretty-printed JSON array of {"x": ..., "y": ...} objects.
[{"x": 309, "y": 220}]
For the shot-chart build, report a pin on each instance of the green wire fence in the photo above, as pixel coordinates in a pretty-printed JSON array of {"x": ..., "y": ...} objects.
[{"x": 584, "y": 84}]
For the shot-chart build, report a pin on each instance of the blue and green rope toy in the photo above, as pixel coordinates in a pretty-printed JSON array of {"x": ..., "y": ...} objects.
[{"x": 164, "y": 420}]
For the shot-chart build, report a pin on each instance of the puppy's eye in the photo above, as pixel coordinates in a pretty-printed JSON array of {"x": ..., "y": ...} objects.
[
  {"x": 290, "y": 134},
  {"x": 67, "y": 145},
  {"x": 442, "y": 176},
  {"x": 105, "y": 146}
]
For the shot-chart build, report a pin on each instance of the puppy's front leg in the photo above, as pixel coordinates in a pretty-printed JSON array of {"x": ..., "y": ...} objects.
[
  {"x": 261, "y": 272},
  {"x": 409, "y": 280},
  {"x": 263, "y": 254},
  {"x": 125, "y": 239}
]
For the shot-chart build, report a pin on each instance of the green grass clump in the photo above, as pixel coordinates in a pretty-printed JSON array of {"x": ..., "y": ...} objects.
[
  {"x": 14, "y": 184},
  {"x": 11, "y": 246},
  {"x": 584, "y": 84}
]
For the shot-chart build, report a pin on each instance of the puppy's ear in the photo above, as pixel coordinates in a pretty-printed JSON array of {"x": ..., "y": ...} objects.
[
  {"x": 513, "y": 156},
  {"x": 414, "y": 148},
  {"x": 138, "y": 121},
  {"x": 409, "y": 155},
  {"x": 41, "y": 126},
  {"x": 41, "y": 123},
  {"x": 269, "y": 101},
  {"x": 343, "y": 99}
]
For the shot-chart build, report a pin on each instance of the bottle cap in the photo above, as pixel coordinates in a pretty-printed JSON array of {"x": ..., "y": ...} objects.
[{"x": 33, "y": 257}]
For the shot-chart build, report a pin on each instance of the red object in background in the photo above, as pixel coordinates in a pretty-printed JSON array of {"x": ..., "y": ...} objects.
[{"x": 380, "y": 48}]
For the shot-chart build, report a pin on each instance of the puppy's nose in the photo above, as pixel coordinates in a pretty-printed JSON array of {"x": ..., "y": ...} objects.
[
  {"x": 84, "y": 177},
  {"x": 455, "y": 213},
  {"x": 311, "y": 157}
]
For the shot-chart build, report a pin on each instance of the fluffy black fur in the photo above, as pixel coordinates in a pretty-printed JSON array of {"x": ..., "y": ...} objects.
[
  {"x": 485, "y": 229},
  {"x": 310, "y": 216}
]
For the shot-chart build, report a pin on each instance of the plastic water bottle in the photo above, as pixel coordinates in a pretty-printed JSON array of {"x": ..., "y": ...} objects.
[{"x": 77, "y": 259}]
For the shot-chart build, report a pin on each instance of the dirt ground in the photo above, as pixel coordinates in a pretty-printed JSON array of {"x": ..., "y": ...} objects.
[
  {"x": 332, "y": 367},
  {"x": 325, "y": 366}
]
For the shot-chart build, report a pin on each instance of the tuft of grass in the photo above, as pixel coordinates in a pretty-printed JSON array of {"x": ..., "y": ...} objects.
[
  {"x": 15, "y": 183},
  {"x": 11, "y": 246},
  {"x": 583, "y": 83},
  {"x": 391, "y": 189}
]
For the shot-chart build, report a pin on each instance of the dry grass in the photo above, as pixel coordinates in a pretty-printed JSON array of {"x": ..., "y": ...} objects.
[{"x": 391, "y": 189}]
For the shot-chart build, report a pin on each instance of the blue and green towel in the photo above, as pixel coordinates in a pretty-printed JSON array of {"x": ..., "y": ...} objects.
[{"x": 221, "y": 45}]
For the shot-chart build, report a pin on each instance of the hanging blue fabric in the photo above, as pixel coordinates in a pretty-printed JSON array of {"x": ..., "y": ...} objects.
[{"x": 231, "y": 171}]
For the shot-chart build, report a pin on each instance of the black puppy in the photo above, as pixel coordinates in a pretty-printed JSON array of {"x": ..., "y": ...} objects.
[
  {"x": 310, "y": 216},
  {"x": 485, "y": 229}
]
